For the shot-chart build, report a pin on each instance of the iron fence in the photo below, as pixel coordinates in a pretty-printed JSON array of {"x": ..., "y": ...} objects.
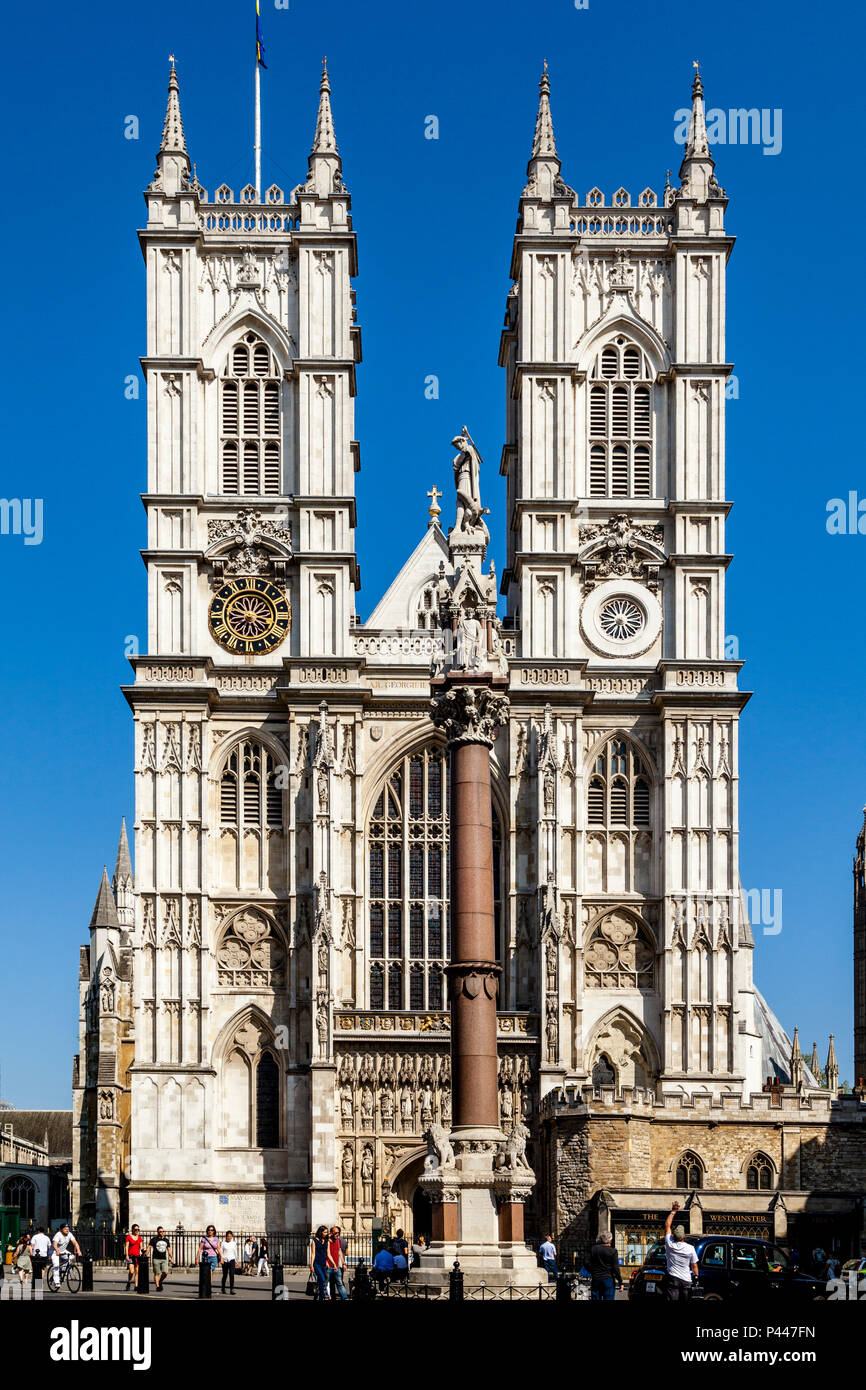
[{"x": 291, "y": 1249}]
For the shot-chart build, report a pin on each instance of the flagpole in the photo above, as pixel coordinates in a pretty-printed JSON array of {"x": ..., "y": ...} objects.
[{"x": 258, "y": 136}]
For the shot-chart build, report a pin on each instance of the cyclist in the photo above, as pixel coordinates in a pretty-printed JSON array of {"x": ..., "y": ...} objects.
[{"x": 63, "y": 1240}]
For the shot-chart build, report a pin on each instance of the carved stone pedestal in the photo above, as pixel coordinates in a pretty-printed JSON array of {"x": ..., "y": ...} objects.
[{"x": 478, "y": 1211}]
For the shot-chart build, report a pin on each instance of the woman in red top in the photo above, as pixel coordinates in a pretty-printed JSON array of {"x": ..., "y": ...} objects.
[{"x": 133, "y": 1255}]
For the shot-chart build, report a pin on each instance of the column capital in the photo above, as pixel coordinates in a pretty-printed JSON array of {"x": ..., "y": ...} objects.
[{"x": 469, "y": 712}]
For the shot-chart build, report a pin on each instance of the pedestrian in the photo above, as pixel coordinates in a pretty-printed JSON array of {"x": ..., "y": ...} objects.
[
  {"x": 418, "y": 1249},
  {"x": 263, "y": 1266},
  {"x": 41, "y": 1247},
  {"x": 547, "y": 1251},
  {"x": 247, "y": 1267},
  {"x": 132, "y": 1251},
  {"x": 159, "y": 1250},
  {"x": 682, "y": 1260},
  {"x": 399, "y": 1244},
  {"x": 336, "y": 1264},
  {"x": 209, "y": 1248},
  {"x": 229, "y": 1253},
  {"x": 319, "y": 1261},
  {"x": 22, "y": 1259},
  {"x": 604, "y": 1270}
]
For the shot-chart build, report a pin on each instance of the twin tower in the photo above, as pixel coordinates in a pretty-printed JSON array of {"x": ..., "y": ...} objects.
[{"x": 264, "y": 1032}]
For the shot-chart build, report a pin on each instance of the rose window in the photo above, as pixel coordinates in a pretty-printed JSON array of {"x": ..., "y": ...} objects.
[{"x": 621, "y": 619}]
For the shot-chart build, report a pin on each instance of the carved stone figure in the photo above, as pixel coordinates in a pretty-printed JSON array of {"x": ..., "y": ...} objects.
[
  {"x": 514, "y": 1149},
  {"x": 348, "y": 1167},
  {"x": 426, "y": 1099},
  {"x": 386, "y": 1105},
  {"x": 367, "y": 1103},
  {"x": 470, "y": 642},
  {"x": 440, "y": 1153},
  {"x": 467, "y": 481},
  {"x": 347, "y": 1108},
  {"x": 406, "y": 1107},
  {"x": 507, "y": 1106},
  {"x": 367, "y": 1175}
]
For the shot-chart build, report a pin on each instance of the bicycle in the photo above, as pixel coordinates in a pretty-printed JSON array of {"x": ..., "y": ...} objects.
[{"x": 69, "y": 1273}]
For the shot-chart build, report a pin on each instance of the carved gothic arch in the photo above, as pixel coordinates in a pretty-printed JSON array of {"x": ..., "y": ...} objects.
[
  {"x": 634, "y": 1033},
  {"x": 404, "y": 745},
  {"x": 689, "y": 1153},
  {"x": 269, "y": 741},
  {"x": 403, "y": 1161},
  {"x": 239, "y": 320},
  {"x": 627, "y": 910},
  {"x": 764, "y": 1157},
  {"x": 629, "y": 737},
  {"x": 248, "y": 1014},
  {"x": 633, "y": 326}
]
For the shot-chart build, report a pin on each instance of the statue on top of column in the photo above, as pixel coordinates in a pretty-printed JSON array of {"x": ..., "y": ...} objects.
[{"x": 467, "y": 481}]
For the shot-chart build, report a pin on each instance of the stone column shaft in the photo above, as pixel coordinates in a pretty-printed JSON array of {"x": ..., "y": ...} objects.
[{"x": 473, "y": 971}]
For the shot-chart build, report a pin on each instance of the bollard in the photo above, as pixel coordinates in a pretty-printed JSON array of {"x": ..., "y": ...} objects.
[
  {"x": 87, "y": 1274},
  {"x": 455, "y": 1283},
  {"x": 563, "y": 1288},
  {"x": 143, "y": 1284},
  {"x": 204, "y": 1280},
  {"x": 278, "y": 1287}
]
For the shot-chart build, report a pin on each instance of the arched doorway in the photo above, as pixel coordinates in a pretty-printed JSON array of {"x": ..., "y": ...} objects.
[
  {"x": 422, "y": 1216},
  {"x": 410, "y": 1207}
]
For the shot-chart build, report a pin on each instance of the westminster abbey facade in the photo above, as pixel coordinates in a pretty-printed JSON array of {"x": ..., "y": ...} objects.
[{"x": 264, "y": 1012}]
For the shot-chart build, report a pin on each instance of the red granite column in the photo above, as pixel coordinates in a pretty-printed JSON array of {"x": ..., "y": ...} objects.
[{"x": 473, "y": 971}]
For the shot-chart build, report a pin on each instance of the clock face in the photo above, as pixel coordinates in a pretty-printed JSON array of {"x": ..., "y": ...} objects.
[{"x": 249, "y": 616}]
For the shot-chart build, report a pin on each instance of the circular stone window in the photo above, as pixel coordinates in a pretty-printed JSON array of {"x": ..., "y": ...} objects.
[{"x": 621, "y": 619}]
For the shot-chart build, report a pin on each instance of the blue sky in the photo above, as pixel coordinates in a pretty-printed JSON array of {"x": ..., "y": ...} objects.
[{"x": 434, "y": 220}]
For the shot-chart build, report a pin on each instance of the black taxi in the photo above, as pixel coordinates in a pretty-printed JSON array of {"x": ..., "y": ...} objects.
[{"x": 730, "y": 1267}]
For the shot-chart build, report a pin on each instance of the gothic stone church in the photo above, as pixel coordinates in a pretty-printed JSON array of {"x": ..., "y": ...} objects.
[{"x": 264, "y": 1020}]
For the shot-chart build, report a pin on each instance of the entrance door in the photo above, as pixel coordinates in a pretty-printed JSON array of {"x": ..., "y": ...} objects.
[{"x": 422, "y": 1215}]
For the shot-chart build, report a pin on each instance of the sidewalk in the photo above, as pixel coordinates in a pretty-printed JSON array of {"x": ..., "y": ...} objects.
[{"x": 109, "y": 1283}]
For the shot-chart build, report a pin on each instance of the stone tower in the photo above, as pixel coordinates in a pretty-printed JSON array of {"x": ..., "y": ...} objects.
[
  {"x": 250, "y": 368},
  {"x": 614, "y": 349}
]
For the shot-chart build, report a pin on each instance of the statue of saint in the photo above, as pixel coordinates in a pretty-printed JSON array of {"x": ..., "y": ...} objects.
[{"x": 470, "y": 513}]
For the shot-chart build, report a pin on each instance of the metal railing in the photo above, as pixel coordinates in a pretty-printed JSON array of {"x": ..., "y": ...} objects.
[{"x": 291, "y": 1249}]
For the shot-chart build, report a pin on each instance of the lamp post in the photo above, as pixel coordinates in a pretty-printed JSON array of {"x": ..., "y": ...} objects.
[{"x": 386, "y": 1210}]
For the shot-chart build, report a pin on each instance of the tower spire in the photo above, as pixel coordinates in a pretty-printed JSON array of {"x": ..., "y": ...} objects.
[
  {"x": 815, "y": 1063},
  {"x": 325, "y": 165},
  {"x": 172, "y": 162},
  {"x": 544, "y": 142},
  {"x": 325, "y": 141},
  {"x": 173, "y": 138},
  {"x": 104, "y": 909},
  {"x": 696, "y": 171},
  {"x": 543, "y": 176}
]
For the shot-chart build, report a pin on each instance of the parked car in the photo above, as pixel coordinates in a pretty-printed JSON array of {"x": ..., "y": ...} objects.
[{"x": 731, "y": 1267}]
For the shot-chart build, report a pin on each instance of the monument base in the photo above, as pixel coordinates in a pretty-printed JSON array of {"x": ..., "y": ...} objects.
[{"x": 477, "y": 1196}]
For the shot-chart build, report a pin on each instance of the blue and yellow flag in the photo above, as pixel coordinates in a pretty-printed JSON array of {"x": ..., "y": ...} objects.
[{"x": 260, "y": 48}]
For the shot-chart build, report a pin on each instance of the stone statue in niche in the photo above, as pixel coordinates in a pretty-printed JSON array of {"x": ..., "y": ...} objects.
[
  {"x": 367, "y": 1176},
  {"x": 366, "y": 1103},
  {"x": 347, "y": 1108},
  {"x": 348, "y": 1167}
]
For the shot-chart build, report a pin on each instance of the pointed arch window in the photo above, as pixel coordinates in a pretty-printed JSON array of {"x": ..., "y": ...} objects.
[
  {"x": 620, "y": 443},
  {"x": 407, "y": 861},
  {"x": 251, "y": 793},
  {"x": 267, "y": 1102},
  {"x": 618, "y": 794},
  {"x": 690, "y": 1171},
  {"x": 759, "y": 1174},
  {"x": 250, "y": 429}
]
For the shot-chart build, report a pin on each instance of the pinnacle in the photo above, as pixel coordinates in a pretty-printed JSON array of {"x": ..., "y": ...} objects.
[
  {"x": 105, "y": 910},
  {"x": 173, "y": 140},
  {"x": 123, "y": 864},
  {"x": 544, "y": 143},
  {"x": 325, "y": 141}
]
